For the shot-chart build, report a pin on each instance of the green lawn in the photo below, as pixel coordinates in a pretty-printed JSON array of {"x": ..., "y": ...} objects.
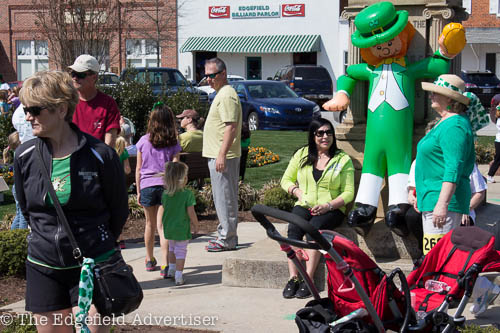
[
  {"x": 283, "y": 143},
  {"x": 8, "y": 206}
]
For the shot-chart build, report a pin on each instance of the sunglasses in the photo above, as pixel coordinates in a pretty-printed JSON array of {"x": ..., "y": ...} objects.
[
  {"x": 213, "y": 75},
  {"x": 33, "y": 110},
  {"x": 320, "y": 134},
  {"x": 80, "y": 75}
]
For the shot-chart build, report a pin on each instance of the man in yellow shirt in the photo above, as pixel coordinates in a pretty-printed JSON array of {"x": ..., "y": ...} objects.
[{"x": 221, "y": 145}]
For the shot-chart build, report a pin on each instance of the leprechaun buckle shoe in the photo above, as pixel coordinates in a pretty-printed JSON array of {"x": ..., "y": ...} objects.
[
  {"x": 361, "y": 218},
  {"x": 395, "y": 219}
]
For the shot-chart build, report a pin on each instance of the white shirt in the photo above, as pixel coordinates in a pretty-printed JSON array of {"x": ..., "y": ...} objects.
[{"x": 22, "y": 126}]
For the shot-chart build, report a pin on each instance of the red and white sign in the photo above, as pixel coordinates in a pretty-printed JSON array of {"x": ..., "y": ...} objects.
[
  {"x": 288, "y": 10},
  {"x": 218, "y": 12}
]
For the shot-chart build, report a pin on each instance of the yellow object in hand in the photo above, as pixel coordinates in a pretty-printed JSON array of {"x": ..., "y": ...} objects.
[{"x": 454, "y": 37}]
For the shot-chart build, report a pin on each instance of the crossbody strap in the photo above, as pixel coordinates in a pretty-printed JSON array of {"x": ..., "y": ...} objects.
[{"x": 77, "y": 253}]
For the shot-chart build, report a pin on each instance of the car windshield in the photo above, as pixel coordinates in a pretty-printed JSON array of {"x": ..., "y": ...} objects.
[
  {"x": 270, "y": 91},
  {"x": 312, "y": 73},
  {"x": 232, "y": 79},
  {"x": 482, "y": 79},
  {"x": 163, "y": 78}
]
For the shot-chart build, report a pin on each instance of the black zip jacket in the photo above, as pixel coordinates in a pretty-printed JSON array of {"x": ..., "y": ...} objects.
[{"x": 96, "y": 210}]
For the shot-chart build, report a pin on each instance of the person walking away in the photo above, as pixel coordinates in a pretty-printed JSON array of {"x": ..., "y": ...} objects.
[
  {"x": 154, "y": 149},
  {"x": 222, "y": 147},
  {"x": 124, "y": 160},
  {"x": 495, "y": 118},
  {"x": 177, "y": 210},
  {"x": 97, "y": 113},
  {"x": 191, "y": 140}
]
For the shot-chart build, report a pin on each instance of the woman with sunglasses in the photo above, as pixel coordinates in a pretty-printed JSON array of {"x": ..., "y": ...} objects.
[
  {"x": 157, "y": 147},
  {"x": 88, "y": 181},
  {"x": 321, "y": 177}
]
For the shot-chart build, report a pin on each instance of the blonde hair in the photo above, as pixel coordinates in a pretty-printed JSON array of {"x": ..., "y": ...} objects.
[
  {"x": 50, "y": 89},
  {"x": 174, "y": 177},
  {"x": 12, "y": 143},
  {"x": 120, "y": 145}
]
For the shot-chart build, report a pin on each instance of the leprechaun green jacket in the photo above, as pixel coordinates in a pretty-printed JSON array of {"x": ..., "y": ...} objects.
[{"x": 337, "y": 179}]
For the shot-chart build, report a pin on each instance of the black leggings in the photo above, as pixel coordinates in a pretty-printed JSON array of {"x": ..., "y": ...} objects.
[
  {"x": 496, "y": 161},
  {"x": 327, "y": 221},
  {"x": 414, "y": 224}
]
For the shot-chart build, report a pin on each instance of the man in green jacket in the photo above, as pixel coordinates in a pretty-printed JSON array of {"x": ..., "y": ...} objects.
[{"x": 384, "y": 34}]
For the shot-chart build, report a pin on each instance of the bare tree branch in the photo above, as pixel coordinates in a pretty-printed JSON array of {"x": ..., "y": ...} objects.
[{"x": 75, "y": 27}]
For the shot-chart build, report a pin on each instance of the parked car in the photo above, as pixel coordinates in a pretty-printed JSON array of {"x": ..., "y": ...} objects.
[
  {"x": 163, "y": 80},
  {"x": 273, "y": 105},
  {"x": 484, "y": 84},
  {"x": 203, "y": 84},
  {"x": 308, "y": 81},
  {"x": 108, "y": 79}
]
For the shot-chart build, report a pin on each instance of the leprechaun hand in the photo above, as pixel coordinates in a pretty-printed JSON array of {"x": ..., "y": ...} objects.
[
  {"x": 339, "y": 102},
  {"x": 452, "y": 40}
]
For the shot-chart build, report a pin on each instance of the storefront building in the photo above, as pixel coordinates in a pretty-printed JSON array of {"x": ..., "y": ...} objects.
[{"x": 255, "y": 39}]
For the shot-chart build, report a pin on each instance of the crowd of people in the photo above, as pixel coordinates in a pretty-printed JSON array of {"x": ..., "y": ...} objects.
[{"x": 64, "y": 123}]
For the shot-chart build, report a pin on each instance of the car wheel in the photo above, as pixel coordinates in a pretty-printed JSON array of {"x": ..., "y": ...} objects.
[{"x": 253, "y": 121}]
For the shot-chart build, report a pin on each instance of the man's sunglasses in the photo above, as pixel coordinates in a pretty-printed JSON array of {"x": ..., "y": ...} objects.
[
  {"x": 213, "y": 75},
  {"x": 33, "y": 110},
  {"x": 320, "y": 134},
  {"x": 80, "y": 75}
]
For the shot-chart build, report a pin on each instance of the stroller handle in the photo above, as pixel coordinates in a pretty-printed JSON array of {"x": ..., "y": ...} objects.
[{"x": 260, "y": 212}]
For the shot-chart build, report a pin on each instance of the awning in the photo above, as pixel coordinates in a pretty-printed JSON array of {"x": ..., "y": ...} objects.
[
  {"x": 482, "y": 36},
  {"x": 254, "y": 44}
]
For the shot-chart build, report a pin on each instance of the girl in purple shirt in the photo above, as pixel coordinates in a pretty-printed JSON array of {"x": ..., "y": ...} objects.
[{"x": 154, "y": 149}]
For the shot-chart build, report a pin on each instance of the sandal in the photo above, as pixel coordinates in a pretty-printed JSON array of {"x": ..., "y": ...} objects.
[{"x": 217, "y": 247}]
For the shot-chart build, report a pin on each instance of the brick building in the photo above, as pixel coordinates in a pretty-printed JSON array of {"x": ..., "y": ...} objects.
[
  {"x": 483, "y": 36},
  {"x": 24, "y": 49}
]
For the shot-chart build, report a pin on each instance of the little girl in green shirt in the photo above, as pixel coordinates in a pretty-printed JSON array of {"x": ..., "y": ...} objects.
[{"x": 177, "y": 211}]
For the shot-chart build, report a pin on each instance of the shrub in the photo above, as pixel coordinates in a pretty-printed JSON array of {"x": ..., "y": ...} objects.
[
  {"x": 5, "y": 129},
  {"x": 182, "y": 100},
  {"x": 6, "y": 222},
  {"x": 477, "y": 329},
  {"x": 273, "y": 195},
  {"x": 20, "y": 324},
  {"x": 134, "y": 209},
  {"x": 484, "y": 153},
  {"x": 7, "y": 172},
  {"x": 13, "y": 252},
  {"x": 259, "y": 156},
  {"x": 201, "y": 204},
  {"x": 247, "y": 196}
]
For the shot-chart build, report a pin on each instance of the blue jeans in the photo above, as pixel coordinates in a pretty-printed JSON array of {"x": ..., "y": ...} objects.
[{"x": 19, "y": 221}]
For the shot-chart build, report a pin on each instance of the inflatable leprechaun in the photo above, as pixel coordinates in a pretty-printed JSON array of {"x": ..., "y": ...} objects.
[{"x": 383, "y": 35}]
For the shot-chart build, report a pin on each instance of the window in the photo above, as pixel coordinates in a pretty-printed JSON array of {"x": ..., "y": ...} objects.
[
  {"x": 142, "y": 52},
  {"x": 32, "y": 57}
]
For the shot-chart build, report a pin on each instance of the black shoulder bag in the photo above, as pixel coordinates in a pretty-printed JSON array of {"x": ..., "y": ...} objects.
[{"x": 118, "y": 291}]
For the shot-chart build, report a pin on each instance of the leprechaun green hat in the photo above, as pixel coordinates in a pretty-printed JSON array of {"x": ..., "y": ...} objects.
[{"x": 377, "y": 24}]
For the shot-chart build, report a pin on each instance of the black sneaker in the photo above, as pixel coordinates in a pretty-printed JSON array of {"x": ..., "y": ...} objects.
[
  {"x": 303, "y": 291},
  {"x": 291, "y": 288}
]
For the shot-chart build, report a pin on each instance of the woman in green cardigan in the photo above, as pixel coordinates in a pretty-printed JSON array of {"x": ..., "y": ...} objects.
[{"x": 321, "y": 176}]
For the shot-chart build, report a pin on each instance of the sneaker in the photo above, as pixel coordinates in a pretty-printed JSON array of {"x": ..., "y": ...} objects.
[
  {"x": 163, "y": 272},
  {"x": 170, "y": 273},
  {"x": 303, "y": 291},
  {"x": 179, "y": 281},
  {"x": 490, "y": 179},
  {"x": 151, "y": 265},
  {"x": 291, "y": 288},
  {"x": 485, "y": 294}
]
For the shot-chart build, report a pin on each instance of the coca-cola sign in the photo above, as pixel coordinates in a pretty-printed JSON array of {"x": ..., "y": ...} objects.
[
  {"x": 288, "y": 10},
  {"x": 218, "y": 12}
]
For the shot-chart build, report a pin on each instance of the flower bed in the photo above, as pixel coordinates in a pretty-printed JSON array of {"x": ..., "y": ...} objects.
[
  {"x": 7, "y": 172},
  {"x": 259, "y": 156}
]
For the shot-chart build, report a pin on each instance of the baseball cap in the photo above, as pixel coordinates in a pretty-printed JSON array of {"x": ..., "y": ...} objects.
[
  {"x": 189, "y": 113},
  {"x": 84, "y": 63}
]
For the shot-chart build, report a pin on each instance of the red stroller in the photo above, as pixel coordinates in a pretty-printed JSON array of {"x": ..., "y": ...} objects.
[{"x": 355, "y": 281}]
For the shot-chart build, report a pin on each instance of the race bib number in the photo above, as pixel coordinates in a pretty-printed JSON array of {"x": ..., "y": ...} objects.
[{"x": 430, "y": 240}]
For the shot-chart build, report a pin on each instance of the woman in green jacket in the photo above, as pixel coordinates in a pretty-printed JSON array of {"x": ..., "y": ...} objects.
[{"x": 321, "y": 176}]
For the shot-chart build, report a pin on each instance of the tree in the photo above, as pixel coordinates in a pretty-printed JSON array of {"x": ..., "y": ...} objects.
[
  {"x": 75, "y": 27},
  {"x": 159, "y": 24}
]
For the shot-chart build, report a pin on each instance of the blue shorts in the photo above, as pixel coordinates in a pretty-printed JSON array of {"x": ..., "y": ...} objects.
[{"x": 151, "y": 196}]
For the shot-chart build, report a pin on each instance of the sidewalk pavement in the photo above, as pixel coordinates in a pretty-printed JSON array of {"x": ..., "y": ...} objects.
[{"x": 204, "y": 299}]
